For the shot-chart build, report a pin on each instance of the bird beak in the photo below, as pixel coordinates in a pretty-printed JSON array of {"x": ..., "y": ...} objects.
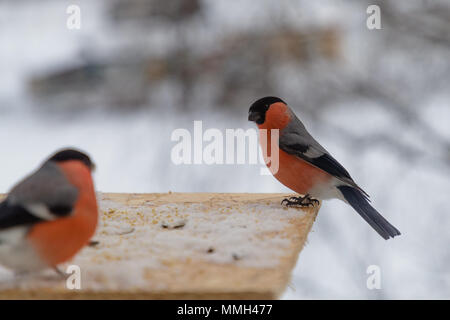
[{"x": 254, "y": 116}]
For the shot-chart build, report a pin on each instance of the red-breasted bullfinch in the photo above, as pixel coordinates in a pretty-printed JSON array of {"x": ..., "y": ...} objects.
[
  {"x": 50, "y": 215},
  {"x": 307, "y": 168}
]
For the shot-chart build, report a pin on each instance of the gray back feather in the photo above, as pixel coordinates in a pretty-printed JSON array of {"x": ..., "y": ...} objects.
[
  {"x": 296, "y": 140},
  {"x": 295, "y": 133},
  {"x": 48, "y": 186}
]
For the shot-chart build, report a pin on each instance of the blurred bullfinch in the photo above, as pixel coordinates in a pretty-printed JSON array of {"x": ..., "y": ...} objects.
[
  {"x": 50, "y": 215},
  {"x": 307, "y": 168}
]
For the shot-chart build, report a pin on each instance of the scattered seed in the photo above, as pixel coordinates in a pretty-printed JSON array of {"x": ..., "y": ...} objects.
[
  {"x": 93, "y": 243},
  {"x": 236, "y": 257},
  {"x": 176, "y": 225},
  {"x": 131, "y": 230}
]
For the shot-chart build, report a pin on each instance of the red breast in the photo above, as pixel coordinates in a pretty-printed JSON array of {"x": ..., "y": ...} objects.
[
  {"x": 59, "y": 240},
  {"x": 293, "y": 172}
]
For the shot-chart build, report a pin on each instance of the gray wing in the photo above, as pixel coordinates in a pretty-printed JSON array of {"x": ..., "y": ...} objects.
[
  {"x": 46, "y": 194},
  {"x": 296, "y": 140}
]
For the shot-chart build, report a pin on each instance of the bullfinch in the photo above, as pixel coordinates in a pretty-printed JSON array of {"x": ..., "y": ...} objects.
[
  {"x": 50, "y": 215},
  {"x": 308, "y": 168}
]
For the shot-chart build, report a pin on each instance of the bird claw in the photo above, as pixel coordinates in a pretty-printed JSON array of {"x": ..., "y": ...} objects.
[
  {"x": 305, "y": 201},
  {"x": 60, "y": 273}
]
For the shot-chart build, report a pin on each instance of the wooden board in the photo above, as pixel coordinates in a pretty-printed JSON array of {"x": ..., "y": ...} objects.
[{"x": 181, "y": 246}]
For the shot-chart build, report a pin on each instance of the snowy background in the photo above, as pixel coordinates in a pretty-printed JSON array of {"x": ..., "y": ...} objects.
[{"x": 378, "y": 100}]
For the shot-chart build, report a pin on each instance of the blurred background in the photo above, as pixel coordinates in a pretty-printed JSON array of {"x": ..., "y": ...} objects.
[{"x": 378, "y": 100}]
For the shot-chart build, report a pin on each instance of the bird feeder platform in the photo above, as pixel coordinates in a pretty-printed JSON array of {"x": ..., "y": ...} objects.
[{"x": 179, "y": 246}]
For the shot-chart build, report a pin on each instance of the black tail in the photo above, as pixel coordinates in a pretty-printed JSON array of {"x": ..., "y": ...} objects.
[{"x": 359, "y": 202}]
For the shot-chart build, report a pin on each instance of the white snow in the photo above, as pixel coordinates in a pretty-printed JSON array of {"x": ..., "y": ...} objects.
[{"x": 132, "y": 240}]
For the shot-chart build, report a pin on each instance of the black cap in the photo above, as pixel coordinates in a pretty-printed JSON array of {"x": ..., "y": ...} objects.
[
  {"x": 72, "y": 154},
  {"x": 258, "y": 109}
]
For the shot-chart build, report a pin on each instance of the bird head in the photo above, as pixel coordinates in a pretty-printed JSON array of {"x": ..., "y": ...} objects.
[
  {"x": 73, "y": 154},
  {"x": 269, "y": 112}
]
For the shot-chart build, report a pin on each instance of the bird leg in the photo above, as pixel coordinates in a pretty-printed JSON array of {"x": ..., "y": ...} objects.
[
  {"x": 20, "y": 274},
  {"x": 60, "y": 272},
  {"x": 305, "y": 201}
]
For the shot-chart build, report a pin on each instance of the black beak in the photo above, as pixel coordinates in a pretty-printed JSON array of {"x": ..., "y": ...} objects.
[{"x": 254, "y": 116}]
